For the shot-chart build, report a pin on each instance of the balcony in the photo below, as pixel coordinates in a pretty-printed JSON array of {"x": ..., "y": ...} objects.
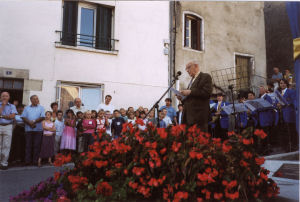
[{"x": 86, "y": 42}]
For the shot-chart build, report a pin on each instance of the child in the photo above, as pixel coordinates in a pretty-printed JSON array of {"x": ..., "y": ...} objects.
[
  {"x": 151, "y": 118},
  {"x": 117, "y": 124},
  {"x": 89, "y": 126},
  {"x": 123, "y": 114},
  {"x": 68, "y": 140},
  {"x": 79, "y": 138},
  {"x": 59, "y": 125},
  {"x": 94, "y": 114},
  {"x": 131, "y": 118},
  {"x": 47, "y": 147},
  {"x": 162, "y": 123},
  {"x": 102, "y": 120},
  {"x": 143, "y": 116},
  {"x": 108, "y": 115}
]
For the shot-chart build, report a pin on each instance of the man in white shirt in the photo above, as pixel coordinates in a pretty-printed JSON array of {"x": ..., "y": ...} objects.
[
  {"x": 106, "y": 106},
  {"x": 78, "y": 106},
  {"x": 166, "y": 119}
]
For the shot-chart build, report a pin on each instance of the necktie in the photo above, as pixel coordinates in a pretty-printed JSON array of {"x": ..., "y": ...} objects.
[
  {"x": 219, "y": 106},
  {"x": 190, "y": 84}
]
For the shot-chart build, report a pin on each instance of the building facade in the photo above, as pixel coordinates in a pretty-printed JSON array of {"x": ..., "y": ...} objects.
[
  {"x": 60, "y": 50},
  {"x": 227, "y": 39}
]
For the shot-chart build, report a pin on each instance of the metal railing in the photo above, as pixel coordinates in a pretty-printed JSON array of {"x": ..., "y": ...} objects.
[{"x": 74, "y": 39}]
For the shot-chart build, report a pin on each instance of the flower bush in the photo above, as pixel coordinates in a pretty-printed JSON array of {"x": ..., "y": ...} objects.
[{"x": 174, "y": 164}]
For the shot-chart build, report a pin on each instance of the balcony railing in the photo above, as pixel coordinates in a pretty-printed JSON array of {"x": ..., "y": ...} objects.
[{"x": 72, "y": 39}]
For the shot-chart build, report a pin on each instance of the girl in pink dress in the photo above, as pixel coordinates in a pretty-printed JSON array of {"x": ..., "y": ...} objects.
[
  {"x": 47, "y": 147},
  {"x": 89, "y": 125},
  {"x": 68, "y": 140}
]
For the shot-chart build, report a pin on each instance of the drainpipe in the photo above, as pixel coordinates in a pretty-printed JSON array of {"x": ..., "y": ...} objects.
[{"x": 172, "y": 72}]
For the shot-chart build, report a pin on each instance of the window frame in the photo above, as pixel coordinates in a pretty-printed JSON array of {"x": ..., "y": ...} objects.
[
  {"x": 90, "y": 48},
  {"x": 80, "y": 86},
  {"x": 202, "y": 41},
  {"x": 88, "y": 6}
]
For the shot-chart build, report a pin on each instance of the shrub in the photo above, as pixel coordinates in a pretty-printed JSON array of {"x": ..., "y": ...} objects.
[{"x": 173, "y": 164}]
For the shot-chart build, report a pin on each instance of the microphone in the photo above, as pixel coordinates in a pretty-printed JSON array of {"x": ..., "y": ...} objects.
[{"x": 177, "y": 75}]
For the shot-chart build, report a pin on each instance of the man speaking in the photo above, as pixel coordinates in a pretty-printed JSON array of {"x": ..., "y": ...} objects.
[{"x": 196, "y": 102}]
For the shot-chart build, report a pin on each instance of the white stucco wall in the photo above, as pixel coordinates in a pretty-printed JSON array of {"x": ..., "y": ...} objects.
[{"x": 137, "y": 75}]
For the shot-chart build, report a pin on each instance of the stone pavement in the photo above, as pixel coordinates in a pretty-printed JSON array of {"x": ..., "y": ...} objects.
[
  {"x": 289, "y": 188},
  {"x": 15, "y": 180}
]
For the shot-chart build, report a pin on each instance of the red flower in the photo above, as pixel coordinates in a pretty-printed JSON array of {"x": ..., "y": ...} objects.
[
  {"x": 218, "y": 196},
  {"x": 176, "y": 146},
  {"x": 145, "y": 191},
  {"x": 108, "y": 173},
  {"x": 118, "y": 165},
  {"x": 230, "y": 133},
  {"x": 263, "y": 176},
  {"x": 61, "y": 159},
  {"x": 140, "y": 122},
  {"x": 162, "y": 133},
  {"x": 125, "y": 171},
  {"x": 226, "y": 148},
  {"x": 133, "y": 185},
  {"x": 104, "y": 189},
  {"x": 138, "y": 171},
  {"x": 244, "y": 163},
  {"x": 192, "y": 154},
  {"x": 199, "y": 199},
  {"x": 100, "y": 164},
  {"x": 199, "y": 155},
  {"x": 151, "y": 164},
  {"x": 247, "y": 141},
  {"x": 260, "y": 133},
  {"x": 260, "y": 161},
  {"x": 247, "y": 154},
  {"x": 63, "y": 199},
  {"x": 180, "y": 195},
  {"x": 163, "y": 150},
  {"x": 233, "y": 196},
  {"x": 153, "y": 182}
]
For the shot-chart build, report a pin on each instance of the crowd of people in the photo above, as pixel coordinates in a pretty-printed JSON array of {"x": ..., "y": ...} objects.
[
  {"x": 48, "y": 133},
  {"x": 278, "y": 121}
]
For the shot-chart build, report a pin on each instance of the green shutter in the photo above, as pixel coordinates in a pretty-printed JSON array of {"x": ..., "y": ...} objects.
[
  {"x": 69, "y": 31},
  {"x": 103, "y": 28}
]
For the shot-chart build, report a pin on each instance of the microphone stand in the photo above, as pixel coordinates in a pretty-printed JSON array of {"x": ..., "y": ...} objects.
[{"x": 156, "y": 105}]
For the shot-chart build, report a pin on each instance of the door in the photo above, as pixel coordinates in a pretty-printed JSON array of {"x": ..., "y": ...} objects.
[
  {"x": 14, "y": 87},
  {"x": 242, "y": 72}
]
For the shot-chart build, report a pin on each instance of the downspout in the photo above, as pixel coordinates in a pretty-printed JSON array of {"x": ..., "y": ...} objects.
[{"x": 172, "y": 46}]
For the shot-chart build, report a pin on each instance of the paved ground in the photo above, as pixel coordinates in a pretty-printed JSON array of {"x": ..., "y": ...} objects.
[{"x": 15, "y": 180}]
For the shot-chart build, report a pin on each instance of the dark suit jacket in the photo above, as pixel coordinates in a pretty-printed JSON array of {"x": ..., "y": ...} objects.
[{"x": 196, "y": 105}]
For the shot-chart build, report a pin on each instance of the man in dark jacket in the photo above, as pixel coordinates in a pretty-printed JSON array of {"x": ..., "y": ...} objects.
[{"x": 196, "y": 102}]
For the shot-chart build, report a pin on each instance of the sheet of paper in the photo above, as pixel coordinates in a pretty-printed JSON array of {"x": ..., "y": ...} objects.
[
  {"x": 280, "y": 99},
  {"x": 212, "y": 105},
  {"x": 176, "y": 92}
]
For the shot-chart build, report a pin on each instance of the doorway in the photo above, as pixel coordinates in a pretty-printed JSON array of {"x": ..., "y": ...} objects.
[{"x": 14, "y": 87}]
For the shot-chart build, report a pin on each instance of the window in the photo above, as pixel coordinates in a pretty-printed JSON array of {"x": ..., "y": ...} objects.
[
  {"x": 91, "y": 95},
  {"x": 88, "y": 25},
  {"x": 193, "y": 32}
]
